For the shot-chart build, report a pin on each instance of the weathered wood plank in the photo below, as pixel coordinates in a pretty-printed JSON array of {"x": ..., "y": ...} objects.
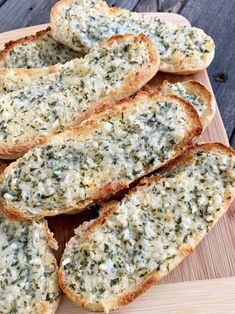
[
  {"x": 173, "y": 6},
  {"x": 130, "y": 5},
  {"x": 2, "y": 2},
  {"x": 217, "y": 19},
  {"x": 17, "y": 14},
  {"x": 147, "y": 6}
]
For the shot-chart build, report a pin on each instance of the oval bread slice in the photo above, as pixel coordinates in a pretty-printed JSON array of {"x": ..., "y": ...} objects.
[
  {"x": 35, "y": 51},
  {"x": 135, "y": 242},
  {"x": 28, "y": 280},
  {"x": 195, "y": 93},
  {"x": 80, "y": 24},
  {"x": 102, "y": 156},
  {"x": 115, "y": 69}
]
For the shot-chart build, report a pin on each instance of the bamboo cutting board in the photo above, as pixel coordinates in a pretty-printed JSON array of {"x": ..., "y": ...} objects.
[{"x": 213, "y": 259}]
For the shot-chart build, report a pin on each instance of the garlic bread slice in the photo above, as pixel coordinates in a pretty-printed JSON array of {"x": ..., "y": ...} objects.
[
  {"x": 67, "y": 94},
  {"x": 28, "y": 281},
  {"x": 138, "y": 240},
  {"x": 35, "y": 51},
  {"x": 197, "y": 94},
  {"x": 80, "y": 24},
  {"x": 28, "y": 269},
  {"x": 100, "y": 157}
]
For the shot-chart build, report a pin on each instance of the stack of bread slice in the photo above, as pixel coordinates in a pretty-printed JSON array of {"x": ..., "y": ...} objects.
[
  {"x": 77, "y": 113},
  {"x": 138, "y": 240}
]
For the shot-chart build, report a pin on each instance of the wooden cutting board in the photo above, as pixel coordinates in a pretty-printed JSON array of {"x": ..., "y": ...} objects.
[{"x": 214, "y": 258}]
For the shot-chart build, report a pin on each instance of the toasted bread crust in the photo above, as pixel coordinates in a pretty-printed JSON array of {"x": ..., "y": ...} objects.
[
  {"x": 201, "y": 90},
  {"x": 188, "y": 155},
  {"x": 110, "y": 207},
  {"x": 24, "y": 76},
  {"x": 132, "y": 84},
  {"x": 204, "y": 92},
  {"x": 47, "y": 307},
  {"x": 85, "y": 128},
  {"x": 14, "y": 43},
  {"x": 179, "y": 66},
  {"x": 35, "y": 51}
]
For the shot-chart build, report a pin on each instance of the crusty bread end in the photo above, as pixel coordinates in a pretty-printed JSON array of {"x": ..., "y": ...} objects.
[{"x": 197, "y": 94}]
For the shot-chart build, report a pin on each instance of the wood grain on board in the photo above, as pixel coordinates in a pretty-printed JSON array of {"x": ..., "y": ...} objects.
[
  {"x": 213, "y": 258},
  {"x": 205, "y": 297}
]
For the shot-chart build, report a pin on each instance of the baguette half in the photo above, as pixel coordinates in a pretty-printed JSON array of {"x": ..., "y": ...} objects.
[
  {"x": 35, "y": 51},
  {"x": 102, "y": 156},
  {"x": 68, "y": 94},
  {"x": 135, "y": 242},
  {"x": 197, "y": 94},
  {"x": 29, "y": 279},
  {"x": 80, "y": 24}
]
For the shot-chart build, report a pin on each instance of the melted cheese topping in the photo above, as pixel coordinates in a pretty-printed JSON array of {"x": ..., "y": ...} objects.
[
  {"x": 179, "y": 89},
  {"x": 36, "y": 53},
  {"x": 149, "y": 229},
  {"x": 27, "y": 267},
  {"x": 74, "y": 168},
  {"x": 52, "y": 102},
  {"x": 82, "y": 23}
]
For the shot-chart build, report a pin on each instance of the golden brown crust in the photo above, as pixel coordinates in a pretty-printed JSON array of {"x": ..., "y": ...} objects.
[
  {"x": 133, "y": 82},
  {"x": 180, "y": 160},
  {"x": 132, "y": 85},
  {"x": 165, "y": 67},
  {"x": 14, "y": 43},
  {"x": 46, "y": 307},
  {"x": 201, "y": 90},
  {"x": 179, "y": 66},
  {"x": 12, "y": 153},
  {"x": 110, "y": 207},
  {"x": 88, "y": 126},
  {"x": 204, "y": 92},
  {"x": 107, "y": 210},
  {"x": 24, "y": 76}
]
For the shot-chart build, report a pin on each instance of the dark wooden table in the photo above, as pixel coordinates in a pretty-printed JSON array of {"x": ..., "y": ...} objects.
[{"x": 216, "y": 17}]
